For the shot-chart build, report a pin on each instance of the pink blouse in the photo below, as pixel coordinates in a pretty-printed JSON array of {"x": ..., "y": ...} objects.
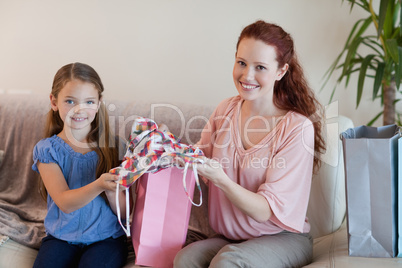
[{"x": 279, "y": 168}]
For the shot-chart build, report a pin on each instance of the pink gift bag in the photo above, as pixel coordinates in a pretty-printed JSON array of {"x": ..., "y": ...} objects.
[{"x": 161, "y": 216}]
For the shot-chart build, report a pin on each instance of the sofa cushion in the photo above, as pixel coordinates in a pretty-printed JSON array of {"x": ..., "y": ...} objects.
[
  {"x": 13, "y": 254},
  {"x": 332, "y": 251},
  {"x": 327, "y": 205}
]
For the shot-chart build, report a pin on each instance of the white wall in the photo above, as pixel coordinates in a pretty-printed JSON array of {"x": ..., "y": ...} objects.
[{"x": 165, "y": 50}]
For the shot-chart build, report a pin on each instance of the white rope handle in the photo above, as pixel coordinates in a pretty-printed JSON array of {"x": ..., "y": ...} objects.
[
  {"x": 127, "y": 228},
  {"x": 197, "y": 181}
]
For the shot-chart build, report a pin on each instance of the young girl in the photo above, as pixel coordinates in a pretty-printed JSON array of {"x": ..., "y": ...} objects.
[
  {"x": 260, "y": 146},
  {"x": 73, "y": 162}
]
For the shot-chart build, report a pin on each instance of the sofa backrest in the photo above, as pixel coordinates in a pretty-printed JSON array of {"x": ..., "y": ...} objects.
[
  {"x": 22, "y": 120},
  {"x": 327, "y": 205},
  {"x": 184, "y": 120},
  {"x": 22, "y": 209}
]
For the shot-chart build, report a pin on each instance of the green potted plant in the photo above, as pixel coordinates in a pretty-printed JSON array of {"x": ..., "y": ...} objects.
[{"x": 382, "y": 58}]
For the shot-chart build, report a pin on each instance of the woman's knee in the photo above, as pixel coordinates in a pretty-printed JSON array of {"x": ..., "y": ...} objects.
[
  {"x": 199, "y": 254},
  {"x": 229, "y": 256},
  {"x": 284, "y": 250},
  {"x": 180, "y": 261},
  {"x": 189, "y": 257}
]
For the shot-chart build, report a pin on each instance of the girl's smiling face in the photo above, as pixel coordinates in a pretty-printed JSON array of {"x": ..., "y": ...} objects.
[
  {"x": 256, "y": 70},
  {"x": 77, "y": 103}
]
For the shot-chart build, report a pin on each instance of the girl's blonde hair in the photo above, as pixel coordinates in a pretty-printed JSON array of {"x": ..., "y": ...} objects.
[{"x": 100, "y": 134}]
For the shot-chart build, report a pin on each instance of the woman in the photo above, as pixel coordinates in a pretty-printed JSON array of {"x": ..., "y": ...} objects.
[{"x": 260, "y": 149}]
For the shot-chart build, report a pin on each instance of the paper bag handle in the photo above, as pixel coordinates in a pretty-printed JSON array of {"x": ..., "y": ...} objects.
[
  {"x": 197, "y": 181},
  {"x": 127, "y": 228}
]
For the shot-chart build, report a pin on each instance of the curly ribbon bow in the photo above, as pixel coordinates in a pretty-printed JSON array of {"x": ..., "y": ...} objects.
[{"x": 150, "y": 150}]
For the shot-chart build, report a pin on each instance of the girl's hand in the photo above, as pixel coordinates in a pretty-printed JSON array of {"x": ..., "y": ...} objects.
[
  {"x": 163, "y": 127},
  {"x": 69, "y": 200},
  {"x": 108, "y": 182}
]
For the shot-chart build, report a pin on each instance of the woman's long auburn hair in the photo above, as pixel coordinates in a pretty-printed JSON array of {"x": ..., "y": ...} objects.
[
  {"x": 292, "y": 92},
  {"x": 100, "y": 134}
]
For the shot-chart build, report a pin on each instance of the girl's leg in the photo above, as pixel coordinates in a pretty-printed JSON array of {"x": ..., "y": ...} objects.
[
  {"x": 56, "y": 253},
  {"x": 281, "y": 250},
  {"x": 107, "y": 253},
  {"x": 199, "y": 254}
]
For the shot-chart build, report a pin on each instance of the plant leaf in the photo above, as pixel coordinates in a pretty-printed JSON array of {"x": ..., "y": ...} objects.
[
  {"x": 396, "y": 33},
  {"x": 362, "y": 77},
  {"x": 378, "y": 78},
  {"x": 364, "y": 25},
  {"x": 395, "y": 15},
  {"x": 332, "y": 94},
  {"x": 374, "y": 45},
  {"x": 400, "y": 17},
  {"x": 363, "y": 4},
  {"x": 351, "y": 54},
  {"x": 382, "y": 16},
  {"x": 389, "y": 20},
  {"x": 392, "y": 48},
  {"x": 375, "y": 118},
  {"x": 398, "y": 69},
  {"x": 352, "y": 3}
]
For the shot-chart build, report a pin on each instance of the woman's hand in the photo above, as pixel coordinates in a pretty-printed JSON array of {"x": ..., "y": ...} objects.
[
  {"x": 252, "y": 204},
  {"x": 213, "y": 171}
]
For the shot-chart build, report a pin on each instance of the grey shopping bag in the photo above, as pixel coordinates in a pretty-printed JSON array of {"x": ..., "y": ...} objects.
[
  {"x": 371, "y": 171},
  {"x": 399, "y": 195}
]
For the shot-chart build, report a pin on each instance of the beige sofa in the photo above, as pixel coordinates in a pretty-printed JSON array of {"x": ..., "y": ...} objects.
[{"x": 22, "y": 210}]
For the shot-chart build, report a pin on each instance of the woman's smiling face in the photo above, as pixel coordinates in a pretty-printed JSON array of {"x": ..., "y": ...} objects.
[{"x": 256, "y": 70}]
